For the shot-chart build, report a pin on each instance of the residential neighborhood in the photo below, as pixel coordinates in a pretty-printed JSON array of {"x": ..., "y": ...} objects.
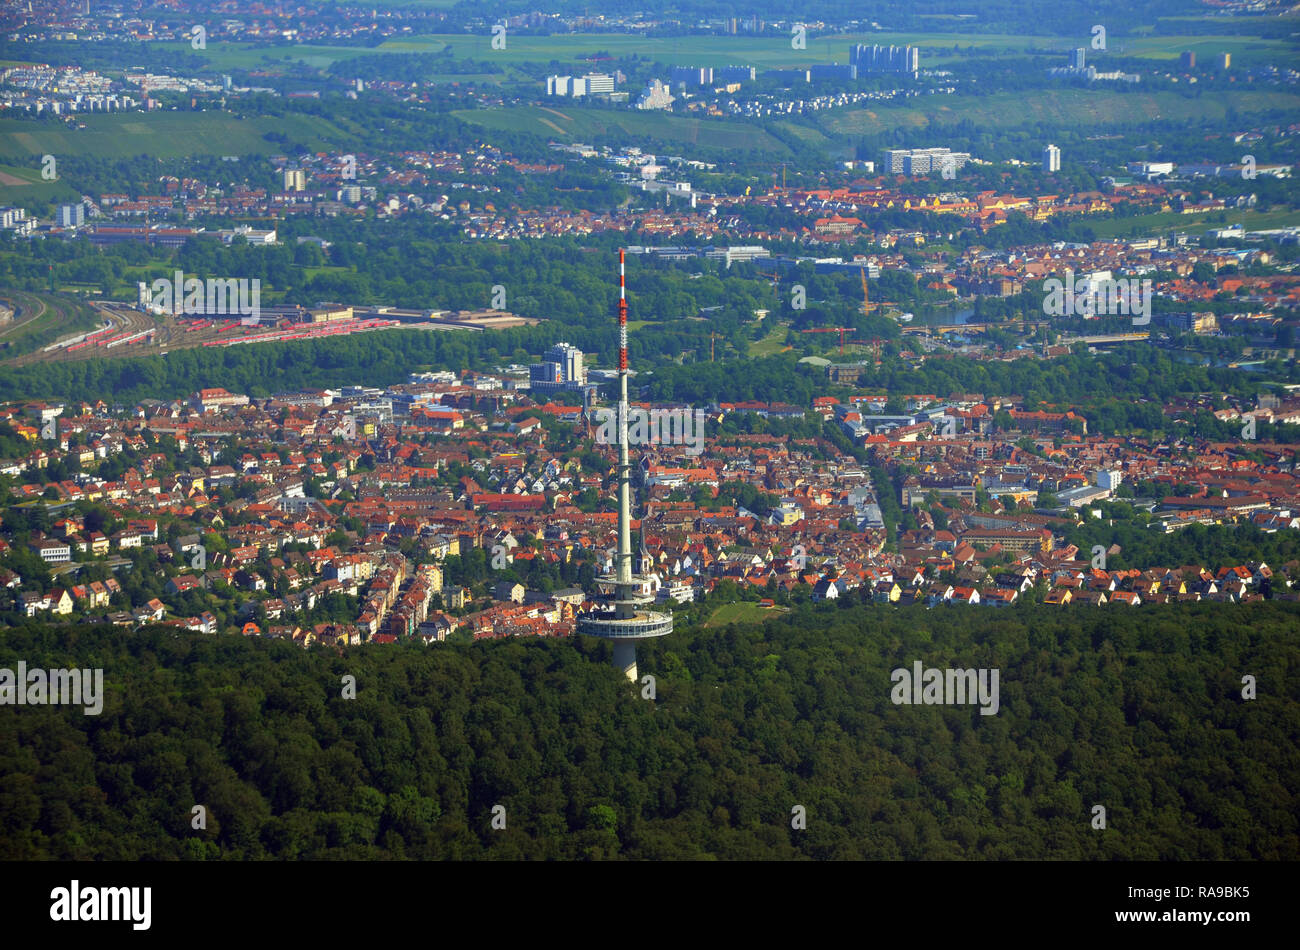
[{"x": 432, "y": 508}]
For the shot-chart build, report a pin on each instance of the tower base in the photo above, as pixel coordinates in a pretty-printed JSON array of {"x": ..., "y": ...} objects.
[{"x": 625, "y": 658}]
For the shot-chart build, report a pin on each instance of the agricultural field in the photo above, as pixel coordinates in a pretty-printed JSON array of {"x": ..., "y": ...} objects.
[
  {"x": 767, "y": 52},
  {"x": 227, "y": 56},
  {"x": 1056, "y": 108},
  {"x": 22, "y": 185},
  {"x": 587, "y": 124},
  {"x": 162, "y": 134}
]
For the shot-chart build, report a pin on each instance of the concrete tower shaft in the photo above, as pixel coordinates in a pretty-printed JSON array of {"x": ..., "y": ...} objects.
[{"x": 626, "y": 622}]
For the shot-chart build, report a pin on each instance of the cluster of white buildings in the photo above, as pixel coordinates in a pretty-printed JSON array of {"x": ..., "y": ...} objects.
[
  {"x": 759, "y": 106},
  {"x": 1078, "y": 69},
  {"x": 655, "y": 95},
  {"x": 47, "y": 90},
  {"x": 885, "y": 59},
  {"x": 17, "y": 221},
  {"x": 592, "y": 84},
  {"x": 1152, "y": 170},
  {"x": 923, "y": 161},
  {"x": 152, "y": 82},
  {"x": 60, "y": 81}
]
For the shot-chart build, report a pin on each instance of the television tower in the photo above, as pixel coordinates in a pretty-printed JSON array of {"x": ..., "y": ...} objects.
[{"x": 620, "y": 621}]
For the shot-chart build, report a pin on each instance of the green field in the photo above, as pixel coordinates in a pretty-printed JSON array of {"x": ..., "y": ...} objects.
[
  {"x": 163, "y": 134},
  {"x": 1065, "y": 107},
  {"x": 774, "y": 342},
  {"x": 311, "y": 273},
  {"x": 227, "y": 56},
  {"x": 1194, "y": 223},
  {"x": 22, "y": 185},
  {"x": 765, "y": 52},
  {"x": 740, "y": 612},
  {"x": 808, "y": 135},
  {"x": 578, "y": 124}
]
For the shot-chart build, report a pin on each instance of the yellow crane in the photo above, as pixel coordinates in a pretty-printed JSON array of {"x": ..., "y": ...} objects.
[{"x": 866, "y": 301}]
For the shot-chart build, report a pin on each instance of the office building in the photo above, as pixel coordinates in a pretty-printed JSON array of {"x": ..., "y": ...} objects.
[
  {"x": 786, "y": 77},
  {"x": 923, "y": 161},
  {"x": 692, "y": 75},
  {"x": 729, "y": 255},
  {"x": 832, "y": 71},
  {"x": 592, "y": 84},
  {"x": 561, "y": 369},
  {"x": 1078, "y": 58},
  {"x": 730, "y": 74},
  {"x": 566, "y": 86},
  {"x": 570, "y": 360},
  {"x": 1187, "y": 60},
  {"x": 546, "y": 374},
  {"x": 72, "y": 216},
  {"x": 885, "y": 59},
  {"x": 1051, "y": 159}
]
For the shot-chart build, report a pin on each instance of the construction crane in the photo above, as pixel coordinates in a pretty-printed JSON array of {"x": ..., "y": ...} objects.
[
  {"x": 713, "y": 335},
  {"x": 840, "y": 330},
  {"x": 866, "y": 300}
]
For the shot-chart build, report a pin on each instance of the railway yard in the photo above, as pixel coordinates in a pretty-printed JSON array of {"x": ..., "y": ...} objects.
[{"x": 124, "y": 330}]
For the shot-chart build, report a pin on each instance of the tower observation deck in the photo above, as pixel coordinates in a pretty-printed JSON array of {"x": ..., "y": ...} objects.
[{"x": 623, "y": 619}]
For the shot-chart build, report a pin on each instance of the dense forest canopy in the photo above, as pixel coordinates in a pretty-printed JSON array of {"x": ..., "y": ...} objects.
[{"x": 1138, "y": 710}]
